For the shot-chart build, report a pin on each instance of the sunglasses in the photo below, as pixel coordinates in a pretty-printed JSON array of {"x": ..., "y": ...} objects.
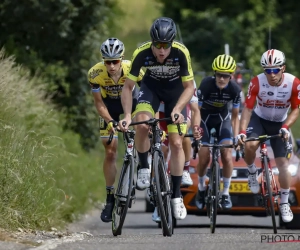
[
  {"x": 274, "y": 71},
  {"x": 160, "y": 45},
  {"x": 225, "y": 76},
  {"x": 114, "y": 62}
]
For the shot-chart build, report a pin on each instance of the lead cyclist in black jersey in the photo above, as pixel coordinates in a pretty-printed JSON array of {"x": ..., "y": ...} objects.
[
  {"x": 169, "y": 78},
  {"x": 214, "y": 93}
]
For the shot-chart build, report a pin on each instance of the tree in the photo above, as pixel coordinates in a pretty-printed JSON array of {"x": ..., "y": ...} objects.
[{"x": 60, "y": 40}]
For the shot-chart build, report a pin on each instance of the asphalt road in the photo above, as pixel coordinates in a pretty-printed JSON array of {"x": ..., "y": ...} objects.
[{"x": 139, "y": 232}]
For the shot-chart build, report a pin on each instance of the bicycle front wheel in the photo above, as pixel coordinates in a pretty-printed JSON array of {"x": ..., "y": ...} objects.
[
  {"x": 163, "y": 193},
  {"x": 214, "y": 196},
  {"x": 269, "y": 195},
  {"x": 123, "y": 196}
]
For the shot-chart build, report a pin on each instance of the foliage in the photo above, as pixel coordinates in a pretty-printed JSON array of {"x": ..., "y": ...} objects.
[
  {"x": 46, "y": 179},
  {"x": 244, "y": 25},
  {"x": 59, "y": 40}
]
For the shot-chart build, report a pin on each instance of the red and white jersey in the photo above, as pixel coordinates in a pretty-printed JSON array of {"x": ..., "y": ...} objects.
[{"x": 273, "y": 102}]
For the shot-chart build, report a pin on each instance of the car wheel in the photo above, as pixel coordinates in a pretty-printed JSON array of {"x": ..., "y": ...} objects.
[{"x": 294, "y": 224}]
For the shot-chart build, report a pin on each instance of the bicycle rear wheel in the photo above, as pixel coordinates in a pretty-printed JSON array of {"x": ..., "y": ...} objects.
[
  {"x": 163, "y": 193},
  {"x": 123, "y": 196},
  {"x": 269, "y": 195},
  {"x": 214, "y": 196}
]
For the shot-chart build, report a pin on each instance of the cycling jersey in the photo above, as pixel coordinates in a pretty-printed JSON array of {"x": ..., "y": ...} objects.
[
  {"x": 162, "y": 81},
  {"x": 273, "y": 102},
  {"x": 214, "y": 100},
  {"x": 176, "y": 65},
  {"x": 100, "y": 80}
]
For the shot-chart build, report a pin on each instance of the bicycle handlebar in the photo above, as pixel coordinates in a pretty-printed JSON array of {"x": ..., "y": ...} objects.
[
  {"x": 150, "y": 122},
  {"x": 263, "y": 138}
]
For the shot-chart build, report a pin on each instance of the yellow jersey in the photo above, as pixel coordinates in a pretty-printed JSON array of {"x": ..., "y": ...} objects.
[{"x": 100, "y": 80}]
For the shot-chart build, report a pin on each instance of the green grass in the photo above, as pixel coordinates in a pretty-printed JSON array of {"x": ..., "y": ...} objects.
[{"x": 46, "y": 179}]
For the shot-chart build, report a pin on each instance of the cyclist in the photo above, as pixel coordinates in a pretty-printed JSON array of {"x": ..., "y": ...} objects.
[
  {"x": 169, "y": 78},
  {"x": 214, "y": 93},
  {"x": 275, "y": 92},
  {"x": 107, "y": 80},
  {"x": 193, "y": 117}
]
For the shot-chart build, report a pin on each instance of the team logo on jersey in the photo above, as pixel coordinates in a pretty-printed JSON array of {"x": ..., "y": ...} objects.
[
  {"x": 140, "y": 94},
  {"x": 270, "y": 93},
  {"x": 95, "y": 72}
]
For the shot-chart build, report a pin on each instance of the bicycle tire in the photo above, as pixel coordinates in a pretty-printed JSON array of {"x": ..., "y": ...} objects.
[
  {"x": 214, "y": 199},
  {"x": 120, "y": 208},
  {"x": 163, "y": 194},
  {"x": 270, "y": 204}
]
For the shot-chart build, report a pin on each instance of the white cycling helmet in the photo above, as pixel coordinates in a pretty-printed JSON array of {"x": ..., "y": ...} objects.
[
  {"x": 112, "y": 48},
  {"x": 272, "y": 58}
]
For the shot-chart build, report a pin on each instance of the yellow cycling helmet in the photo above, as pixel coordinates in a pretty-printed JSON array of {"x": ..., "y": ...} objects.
[{"x": 224, "y": 63}]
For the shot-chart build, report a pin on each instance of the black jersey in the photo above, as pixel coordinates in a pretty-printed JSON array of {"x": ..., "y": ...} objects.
[
  {"x": 177, "y": 65},
  {"x": 213, "y": 100}
]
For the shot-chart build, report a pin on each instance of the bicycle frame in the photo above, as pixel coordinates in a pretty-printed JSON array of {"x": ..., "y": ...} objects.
[{"x": 265, "y": 159}]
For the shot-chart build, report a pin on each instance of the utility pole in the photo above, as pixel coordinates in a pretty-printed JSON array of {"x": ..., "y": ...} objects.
[
  {"x": 270, "y": 37},
  {"x": 226, "y": 46}
]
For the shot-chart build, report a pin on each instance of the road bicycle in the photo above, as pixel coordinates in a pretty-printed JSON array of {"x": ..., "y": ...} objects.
[
  {"x": 269, "y": 193},
  {"x": 160, "y": 190},
  {"x": 125, "y": 193},
  {"x": 212, "y": 193}
]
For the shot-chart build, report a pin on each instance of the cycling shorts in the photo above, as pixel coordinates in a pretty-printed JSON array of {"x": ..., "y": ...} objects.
[
  {"x": 149, "y": 101},
  {"x": 115, "y": 109},
  {"x": 221, "y": 124},
  {"x": 259, "y": 126}
]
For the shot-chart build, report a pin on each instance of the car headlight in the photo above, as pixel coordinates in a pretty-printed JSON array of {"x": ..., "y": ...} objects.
[{"x": 293, "y": 168}]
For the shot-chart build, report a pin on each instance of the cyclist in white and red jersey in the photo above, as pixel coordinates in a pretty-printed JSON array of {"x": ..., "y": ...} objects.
[{"x": 274, "y": 92}]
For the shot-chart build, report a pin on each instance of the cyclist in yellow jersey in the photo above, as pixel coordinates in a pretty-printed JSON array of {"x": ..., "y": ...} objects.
[
  {"x": 168, "y": 78},
  {"x": 107, "y": 80}
]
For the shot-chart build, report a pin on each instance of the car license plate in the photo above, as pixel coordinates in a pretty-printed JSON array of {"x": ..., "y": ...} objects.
[{"x": 237, "y": 187}]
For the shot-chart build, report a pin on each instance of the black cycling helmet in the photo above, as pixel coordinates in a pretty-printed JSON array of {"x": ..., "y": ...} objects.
[{"x": 163, "y": 30}]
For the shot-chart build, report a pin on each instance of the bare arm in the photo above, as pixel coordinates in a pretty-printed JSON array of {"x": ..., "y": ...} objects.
[
  {"x": 292, "y": 117},
  {"x": 196, "y": 116},
  {"x": 235, "y": 121},
  {"x": 126, "y": 97},
  {"x": 185, "y": 96},
  {"x": 101, "y": 107},
  {"x": 245, "y": 118}
]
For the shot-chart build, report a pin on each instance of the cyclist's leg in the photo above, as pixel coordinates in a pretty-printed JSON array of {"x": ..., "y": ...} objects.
[
  {"x": 147, "y": 103},
  {"x": 109, "y": 167},
  {"x": 186, "y": 144},
  {"x": 282, "y": 163},
  {"x": 225, "y": 137},
  {"x": 176, "y": 162},
  {"x": 203, "y": 161},
  {"x": 254, "y": 129}
]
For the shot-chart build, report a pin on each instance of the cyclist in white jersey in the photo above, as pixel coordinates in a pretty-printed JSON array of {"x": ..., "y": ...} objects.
[{"x": 274, "y": 92}]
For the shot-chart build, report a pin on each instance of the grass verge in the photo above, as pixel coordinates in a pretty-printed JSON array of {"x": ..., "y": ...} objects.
[{"x": 45, "y": 177}]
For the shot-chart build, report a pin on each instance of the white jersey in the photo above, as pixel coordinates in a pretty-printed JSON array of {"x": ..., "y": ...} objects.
[{"x": 273, "y": 102}]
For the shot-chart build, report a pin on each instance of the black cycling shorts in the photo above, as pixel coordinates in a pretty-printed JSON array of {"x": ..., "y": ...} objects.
[
  {"x": 221, "y": 124},
  {"x": 258, "y": 126}
]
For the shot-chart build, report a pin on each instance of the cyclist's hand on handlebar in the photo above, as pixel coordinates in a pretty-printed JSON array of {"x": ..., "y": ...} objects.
[
  {"x": 124, "y": 123},
  {"x": 197, "y": 132},
  {"x": 240, "y": 138},
  {"x": 180, "y": 118},
  {"x": 111, "y": 125},
  {"x": 285, "y": 132}
]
